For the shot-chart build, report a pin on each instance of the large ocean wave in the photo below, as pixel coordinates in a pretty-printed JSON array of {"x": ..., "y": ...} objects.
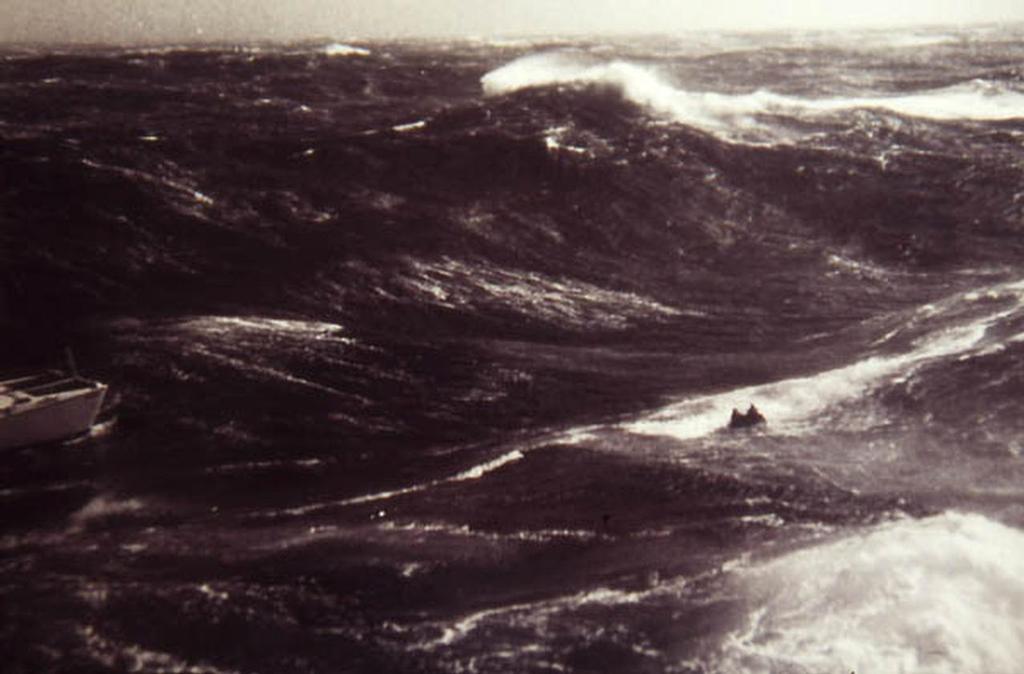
[
  {"x": 739, "y": 116},
  {"x": 422, "y": 362}
]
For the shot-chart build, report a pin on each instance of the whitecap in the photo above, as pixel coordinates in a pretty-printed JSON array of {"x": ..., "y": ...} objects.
[
  {"x": 102, "y": 507},
  {"x": 224, "y": 325},
  {"x": 476, "y": 472},
  {"x": 933, "y": 596},
  {"x": 411, "y": 126},
  {"x": 790, "y": 404},
  {"x": 738, "y": 117},
  {"x": 339, "y": 49}
]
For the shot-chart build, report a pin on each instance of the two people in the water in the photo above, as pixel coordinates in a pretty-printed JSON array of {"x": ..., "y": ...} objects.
[{"x": 753, "y": 417}]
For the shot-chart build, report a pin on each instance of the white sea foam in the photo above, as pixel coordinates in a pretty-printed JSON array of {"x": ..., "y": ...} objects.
[
  {"x": 476, "y": 472},
  {"x": 213, "y": 593},
  {"x": 978, "y": 100},
  {"x": 735, "y": 116},
  {"x": 555, "y": 142},
  {"x": 897, "y": 40},
  {"x": 226, "y": 325},
  {"x": 411, "y": 126},
  {"x": 339, "y": 49},
  {"x": 101, "y": 507},
  {"x": 933, "y": 596},
  {"x": 791, "y": 403},
  {"x": 505, "y": 42}
]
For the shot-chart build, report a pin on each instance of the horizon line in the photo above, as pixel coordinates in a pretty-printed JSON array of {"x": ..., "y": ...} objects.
[{"x": 213, "y": 42}]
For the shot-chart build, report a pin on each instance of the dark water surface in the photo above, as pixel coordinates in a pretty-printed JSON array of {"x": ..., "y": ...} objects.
[{"x": 421, "y": 356}]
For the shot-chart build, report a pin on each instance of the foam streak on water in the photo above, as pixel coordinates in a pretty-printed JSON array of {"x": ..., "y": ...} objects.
[{"x": 473, "y": 473}]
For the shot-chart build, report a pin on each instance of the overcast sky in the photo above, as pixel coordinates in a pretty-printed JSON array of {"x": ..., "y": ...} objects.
[{"x": 163, "y": 21}]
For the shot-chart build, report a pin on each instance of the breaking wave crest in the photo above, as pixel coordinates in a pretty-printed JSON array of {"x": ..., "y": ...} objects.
[
  {"x": 340, "y": 49},
  {"x": 938, "y": 595},
  {"x": 735, "y": 116},
  {"x": 791, "y": 403}
]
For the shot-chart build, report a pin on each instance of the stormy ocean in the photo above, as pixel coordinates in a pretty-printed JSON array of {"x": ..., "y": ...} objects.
[{"x": 422, "y": 355}]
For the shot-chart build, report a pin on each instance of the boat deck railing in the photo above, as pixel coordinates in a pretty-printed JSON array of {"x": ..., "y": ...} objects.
[{"x": 42, "y": 384}]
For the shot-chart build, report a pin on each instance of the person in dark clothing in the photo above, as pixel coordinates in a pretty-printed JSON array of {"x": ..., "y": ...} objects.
[{"x": 751, "y": 418}]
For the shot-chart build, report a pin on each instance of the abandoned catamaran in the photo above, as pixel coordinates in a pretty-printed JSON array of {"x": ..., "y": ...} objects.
[{"x": 46, "y": 407}]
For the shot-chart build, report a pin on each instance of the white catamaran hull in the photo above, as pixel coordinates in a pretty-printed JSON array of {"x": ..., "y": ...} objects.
[{"x": 49, "y": 419}]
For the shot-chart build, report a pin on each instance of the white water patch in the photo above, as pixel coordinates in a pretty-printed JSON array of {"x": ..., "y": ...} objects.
[
  {"x": 339, "y": 49},
  {"x": 862, "y": 268},
  {"x": 505, "y": 42},
  {"x": 97, "y": 430},
  {"x": 554, "y": 140},
  {"x": 735, "y": 116},
  {"x": 476, "y": 472},
  {"x": 213, "y": 593},
  {"x": 102, "y": 507},
  {"x": 896, "y": 39},
  {"x": 411, "y": 126},
  {"x": 225, "y": 325},
  {"x": 789, "y": 405},
  {"x": 917, "y": 41},
  {"x": 976, "y": 100},
  {"x": 943, "y": 595}
]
